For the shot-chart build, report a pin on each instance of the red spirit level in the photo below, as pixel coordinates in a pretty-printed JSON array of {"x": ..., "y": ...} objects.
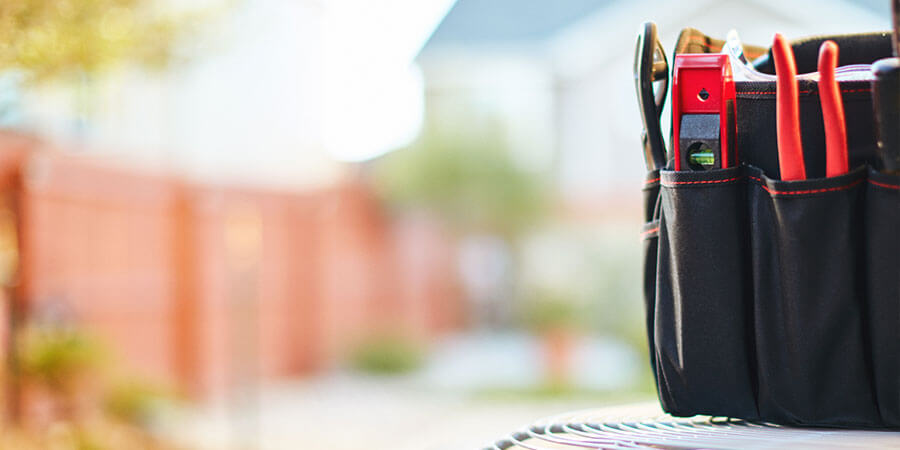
[{"x": 703, "y": 112}]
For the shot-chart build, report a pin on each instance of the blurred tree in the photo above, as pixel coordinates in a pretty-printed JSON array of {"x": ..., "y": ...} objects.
[
  {"x": 472, "y": 182},
  {"x": 56, "y": 37}
]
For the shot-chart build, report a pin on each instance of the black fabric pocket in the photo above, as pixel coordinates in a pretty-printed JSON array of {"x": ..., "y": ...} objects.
[
  {"x": 650, "y": 238},
  {"x": 809, "y": 285},
  {"x": 775, "y": 300},
  {"x": 702, "y": 319},
  {"x": 882, "y": 241}
]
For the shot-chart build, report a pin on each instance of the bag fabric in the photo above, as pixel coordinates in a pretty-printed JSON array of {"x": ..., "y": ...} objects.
[{"x": 778, "y": 301}]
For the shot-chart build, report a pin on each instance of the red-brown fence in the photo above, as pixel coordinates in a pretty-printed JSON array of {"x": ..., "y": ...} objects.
[{"x": 205, "y": 286}]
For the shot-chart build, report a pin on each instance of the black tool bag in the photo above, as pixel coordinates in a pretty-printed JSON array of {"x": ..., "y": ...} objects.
[{"x": 779, "y": 301}]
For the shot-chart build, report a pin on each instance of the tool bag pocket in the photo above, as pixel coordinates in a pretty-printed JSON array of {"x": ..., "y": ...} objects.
[
  {"x": 650, "y": 237},
  {"x": 702, "y": 315},
  {"x": 808, "y": 250},
  {"x": 882, "y": 278},
  {"x": 776, "y": 301}
]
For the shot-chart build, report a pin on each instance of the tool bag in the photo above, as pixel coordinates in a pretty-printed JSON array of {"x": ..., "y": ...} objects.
[{"x": 779, "y": 301}]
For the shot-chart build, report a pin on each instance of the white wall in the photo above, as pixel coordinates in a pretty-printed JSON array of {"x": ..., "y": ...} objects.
[
  {"x": 272, "y": 92},
  {"x": 244, "y": 105}
]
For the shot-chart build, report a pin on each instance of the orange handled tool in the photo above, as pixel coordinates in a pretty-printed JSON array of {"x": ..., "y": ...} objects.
[
  {"x": 787, "y": 112},
  {"x": 832, "y": 112}
]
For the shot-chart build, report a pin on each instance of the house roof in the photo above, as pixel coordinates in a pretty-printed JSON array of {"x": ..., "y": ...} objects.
[
  {"x": 878, "y": 6},
  {"x": 502, "y": 21},
  {"x": 479, "y": 22}
]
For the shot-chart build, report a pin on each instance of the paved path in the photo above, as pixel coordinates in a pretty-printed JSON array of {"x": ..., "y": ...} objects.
[
  {"x": 351, "y": 413},
  {"x": 432, "y": 409}
]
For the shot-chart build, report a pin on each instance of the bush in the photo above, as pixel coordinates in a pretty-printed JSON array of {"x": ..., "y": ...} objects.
[
  {"x": 135, "y": 402},
  {"x": 387, "y": 355},
  {"x": 57, "y": 357},
  {"x": 549, "y": 311}
]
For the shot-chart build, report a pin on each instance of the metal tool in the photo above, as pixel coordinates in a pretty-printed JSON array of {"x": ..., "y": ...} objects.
[
  {"x": 644, "y": 426},
  {"x": 886, "y": 101},
  {"x": 651, "y": 67}
]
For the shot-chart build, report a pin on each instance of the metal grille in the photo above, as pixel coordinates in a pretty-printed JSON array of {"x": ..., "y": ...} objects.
[{"x": 636, "y": 428}]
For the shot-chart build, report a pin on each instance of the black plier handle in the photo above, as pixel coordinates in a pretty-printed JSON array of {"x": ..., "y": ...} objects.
[{"x": 650, "y": 66}]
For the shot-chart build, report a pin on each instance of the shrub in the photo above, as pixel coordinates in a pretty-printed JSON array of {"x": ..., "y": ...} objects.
[
  {"x": 57, "y": 357},
  {"x": 387, "y": 354},
  {"x": 134, "y": 402},
  {"x": 549, "y": 311}
]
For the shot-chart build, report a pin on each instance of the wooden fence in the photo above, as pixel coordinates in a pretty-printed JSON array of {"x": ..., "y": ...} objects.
[{"x": 207, "y": 287}]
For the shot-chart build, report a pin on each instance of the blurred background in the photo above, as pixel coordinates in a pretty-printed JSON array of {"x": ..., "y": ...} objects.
[{"x": 335, "y": 224}]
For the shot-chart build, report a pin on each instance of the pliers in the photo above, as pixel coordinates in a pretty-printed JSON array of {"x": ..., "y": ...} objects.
[
  {"x": 787, "y": 112},
  {"x": 832, "y": 112}
]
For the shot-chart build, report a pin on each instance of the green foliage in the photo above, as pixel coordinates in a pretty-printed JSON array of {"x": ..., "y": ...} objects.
[
  {"x": 550, "y": 310},
  {"x": 58, "y": 357},
  {"x": 387, "y": 355},
  {"x": 473, "y": 183},
  {"x": 135, "y": 402},
  {"x": 56, "y": 37}
]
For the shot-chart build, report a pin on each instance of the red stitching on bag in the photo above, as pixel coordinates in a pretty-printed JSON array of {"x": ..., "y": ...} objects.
[
  {"x": 774, "y": 192},
  {"x": 808, "y": 191},
  {"x": 843, "y": 91},
  {"x": 885, "y": 185},
  {"x": 702, "y": 182},
  {"x": 652, "y": 181},
  {"x": 652, "y": 230}
]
